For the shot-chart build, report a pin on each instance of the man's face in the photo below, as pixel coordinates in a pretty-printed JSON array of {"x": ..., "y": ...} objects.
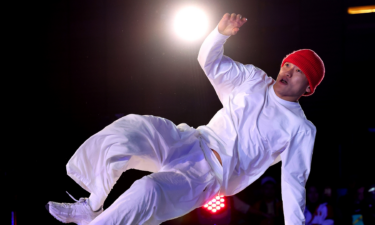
[
  {"x": 291, "y": 83},
  {"x": 313, "y": 194},
  {"x": 361, "y": 193},
  {"x": 269, "y": 190}
]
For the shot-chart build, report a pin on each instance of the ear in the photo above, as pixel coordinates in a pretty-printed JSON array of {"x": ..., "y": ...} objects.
[{"x": 308, "y": 90}]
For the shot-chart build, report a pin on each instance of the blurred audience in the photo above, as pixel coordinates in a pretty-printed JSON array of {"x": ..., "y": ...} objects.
[
  {"x": 318, "y": 210},
  {"x": 369, "y": 211},
  {"x": 268, "y": 210},
  {"x": 328, "y": 194},
  {"x": 357, "y": 207},
  {"x": 348, "y": 204}
]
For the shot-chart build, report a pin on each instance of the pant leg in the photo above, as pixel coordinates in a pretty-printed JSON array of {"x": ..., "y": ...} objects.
[
  {"x": 181, "y": 186},
  {"x": 141, "y": 142}
]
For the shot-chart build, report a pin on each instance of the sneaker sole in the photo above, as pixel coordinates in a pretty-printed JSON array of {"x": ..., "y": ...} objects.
[{"x": 56, "y": 215}]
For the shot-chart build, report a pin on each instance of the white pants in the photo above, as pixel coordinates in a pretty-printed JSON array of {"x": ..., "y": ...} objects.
[{"x": 182, "y": 179}]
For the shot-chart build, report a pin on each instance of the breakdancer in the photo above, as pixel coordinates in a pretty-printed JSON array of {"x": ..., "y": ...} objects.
[{"x": 261, "y": 123}]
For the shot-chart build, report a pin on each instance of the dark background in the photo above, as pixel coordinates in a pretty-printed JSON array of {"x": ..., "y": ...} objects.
[{"x": 73, "y": 67}]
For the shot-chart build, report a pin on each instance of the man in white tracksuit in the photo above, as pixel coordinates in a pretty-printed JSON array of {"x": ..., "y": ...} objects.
[{"x": 261, "y": 123}]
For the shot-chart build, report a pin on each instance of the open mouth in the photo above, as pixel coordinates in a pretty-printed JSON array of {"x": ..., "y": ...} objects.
[{"x": 283, "y": 81}]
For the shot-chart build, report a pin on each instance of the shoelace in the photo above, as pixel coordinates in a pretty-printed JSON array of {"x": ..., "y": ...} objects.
[
  {"x": 72, "y": 196},
  {"x": 68, "y": 205},
  {"x": 80, "y": 200}
]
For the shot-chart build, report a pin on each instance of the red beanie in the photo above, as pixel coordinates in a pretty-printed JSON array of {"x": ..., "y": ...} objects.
[{"x": 310, "y": 64}]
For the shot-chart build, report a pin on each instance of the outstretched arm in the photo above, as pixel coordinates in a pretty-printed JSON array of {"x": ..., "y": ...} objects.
[
  {"x": 296, "y": 163},
  {"x": 224, "y": 73}
]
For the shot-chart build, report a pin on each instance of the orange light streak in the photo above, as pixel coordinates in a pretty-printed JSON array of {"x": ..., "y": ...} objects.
[{"x": 361, "y": 9}]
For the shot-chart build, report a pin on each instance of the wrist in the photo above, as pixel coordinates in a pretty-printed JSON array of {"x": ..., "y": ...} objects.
[{"x": 220, "y": 33}]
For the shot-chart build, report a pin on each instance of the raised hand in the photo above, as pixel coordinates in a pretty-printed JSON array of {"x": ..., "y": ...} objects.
[{"x": 230, "y": 23}]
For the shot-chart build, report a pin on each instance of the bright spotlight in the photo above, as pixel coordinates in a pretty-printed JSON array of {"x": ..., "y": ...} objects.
[
  {"x": 215, "y": 204},
  {"x": 190, "y": 23}
]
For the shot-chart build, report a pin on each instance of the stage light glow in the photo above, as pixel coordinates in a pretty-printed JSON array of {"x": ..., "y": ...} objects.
[
  {"x": 215, "y": 204},
  {"x": 361, "y": 9},
  {"x": 190, "y": 23}
]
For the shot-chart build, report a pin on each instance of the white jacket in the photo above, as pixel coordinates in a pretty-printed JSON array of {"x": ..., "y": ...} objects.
[{"x": 255, "y": 128}]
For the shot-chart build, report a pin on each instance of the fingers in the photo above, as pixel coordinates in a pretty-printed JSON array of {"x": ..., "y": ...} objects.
[
  {"x": 226, "y": 16},
  {"x": 230, "y": 23},
  {"x": 235, "y": 30},
  {"x": 235, "y": 17},
  {"x": 241, "y": 20}
]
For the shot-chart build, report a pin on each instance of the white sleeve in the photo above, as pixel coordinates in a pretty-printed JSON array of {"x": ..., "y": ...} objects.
[
  {"x": 296, "y": 163},
  {"x": 278, "y": 159},
  {"x": 223, "y": 73}
]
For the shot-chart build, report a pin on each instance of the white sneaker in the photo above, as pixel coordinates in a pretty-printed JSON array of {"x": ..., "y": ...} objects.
[{"x": 79, "y": 212}]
